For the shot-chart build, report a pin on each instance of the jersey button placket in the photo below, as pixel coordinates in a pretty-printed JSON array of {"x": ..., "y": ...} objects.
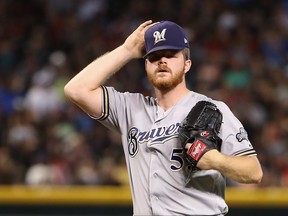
[{"x": 154, "y": 182}]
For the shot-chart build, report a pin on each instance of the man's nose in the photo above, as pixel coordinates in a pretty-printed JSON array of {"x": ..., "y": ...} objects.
[{"x": 162, "y": 60}]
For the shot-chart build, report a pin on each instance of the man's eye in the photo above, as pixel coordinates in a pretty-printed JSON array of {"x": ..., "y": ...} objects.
[
  {"x": 157, "y": 56},
  {"x": 153, "y": 58},
  {"x": 169, "y": 55}
]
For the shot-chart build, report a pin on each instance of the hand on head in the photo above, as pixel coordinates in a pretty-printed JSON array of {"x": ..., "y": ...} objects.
[{"x": 135, "y": 42}]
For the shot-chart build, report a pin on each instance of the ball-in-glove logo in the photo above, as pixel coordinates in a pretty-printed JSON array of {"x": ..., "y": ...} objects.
[{"x": 204, "y": 133}]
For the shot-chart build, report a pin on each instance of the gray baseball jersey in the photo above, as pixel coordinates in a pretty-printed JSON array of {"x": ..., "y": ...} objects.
[{"x": 154, "y": 155}]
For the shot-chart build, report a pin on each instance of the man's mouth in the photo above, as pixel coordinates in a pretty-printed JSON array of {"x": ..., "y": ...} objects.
[{"x": 162, "y": 70}]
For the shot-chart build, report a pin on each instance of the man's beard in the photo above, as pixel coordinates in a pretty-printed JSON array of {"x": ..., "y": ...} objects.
[{"x": 165, "y": 83}]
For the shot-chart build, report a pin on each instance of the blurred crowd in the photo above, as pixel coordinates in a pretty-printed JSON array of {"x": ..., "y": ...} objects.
[{"x": 239, "y": 50}]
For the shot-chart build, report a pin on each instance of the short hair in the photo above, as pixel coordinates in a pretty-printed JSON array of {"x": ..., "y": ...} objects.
[{"x": 186, "y": 53}]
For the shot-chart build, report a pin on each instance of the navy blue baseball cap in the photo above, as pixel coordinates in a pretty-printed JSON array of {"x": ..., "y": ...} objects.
[{"x": 165, "y": 35}]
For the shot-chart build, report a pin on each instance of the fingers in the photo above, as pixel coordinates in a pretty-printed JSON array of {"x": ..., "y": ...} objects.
[
  {"x": 135, "y": 42},
  {"x": 188, "y": 145},
  {"x": 144, "y": 26}
]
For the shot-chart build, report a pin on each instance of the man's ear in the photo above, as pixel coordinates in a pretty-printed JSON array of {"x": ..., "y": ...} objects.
[{"x": 188, "y": 64}]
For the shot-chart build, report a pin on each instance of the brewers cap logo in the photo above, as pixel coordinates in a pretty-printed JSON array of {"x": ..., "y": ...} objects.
[{"x": 159, "y": 36}]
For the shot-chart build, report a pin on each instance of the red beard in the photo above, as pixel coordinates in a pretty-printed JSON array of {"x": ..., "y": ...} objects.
[{"x": 163, "y": 78}]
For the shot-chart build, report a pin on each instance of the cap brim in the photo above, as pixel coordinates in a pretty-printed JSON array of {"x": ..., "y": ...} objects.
[{"x": 163, "y": 48}]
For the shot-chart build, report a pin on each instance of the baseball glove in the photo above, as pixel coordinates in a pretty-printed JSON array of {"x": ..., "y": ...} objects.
[{"x": 200, "y": 128}]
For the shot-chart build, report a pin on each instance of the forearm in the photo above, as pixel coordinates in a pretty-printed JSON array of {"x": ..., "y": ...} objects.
[
  {"x": 242, "y": 169},
  {"x": 98, "y": 71}
]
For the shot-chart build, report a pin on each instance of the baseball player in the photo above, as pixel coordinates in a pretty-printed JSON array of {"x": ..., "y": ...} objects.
[{"x": 149, "y": 127}]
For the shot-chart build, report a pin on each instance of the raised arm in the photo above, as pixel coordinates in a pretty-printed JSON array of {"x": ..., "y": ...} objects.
[{"x": 84, "y": 89}]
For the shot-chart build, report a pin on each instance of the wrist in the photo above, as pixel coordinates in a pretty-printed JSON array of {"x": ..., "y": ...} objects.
[
  {"x": 132, "y": 52},
  {"x": 218, "y": 160},
  {"x": 211, "y": 160}
]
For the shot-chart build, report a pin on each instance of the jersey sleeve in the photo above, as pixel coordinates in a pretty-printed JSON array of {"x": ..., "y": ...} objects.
[
  {"x": 112, "y": 108},
  {"x": 122, "y": 109},
  {"x": 105, "y": 105},
  {"x": 234, "y": 136}
]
